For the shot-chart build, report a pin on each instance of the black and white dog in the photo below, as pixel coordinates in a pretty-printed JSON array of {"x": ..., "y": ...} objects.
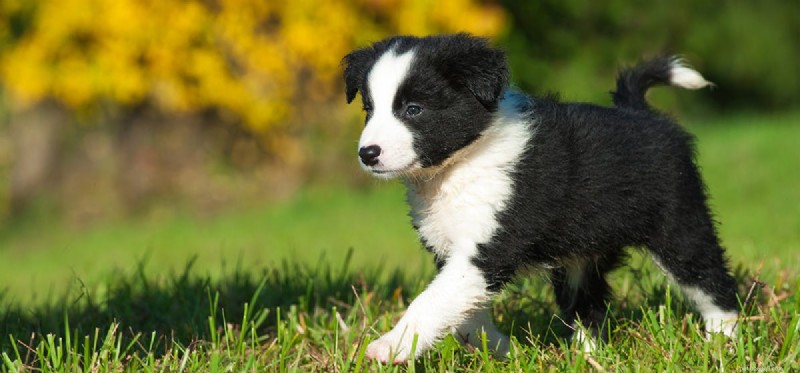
[{"x": 499, "y": 181}]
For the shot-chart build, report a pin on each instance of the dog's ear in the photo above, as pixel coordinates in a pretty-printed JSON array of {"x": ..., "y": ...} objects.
[
  {"x": 479, "y": 67},
  {"x": 355, "y": 66}
]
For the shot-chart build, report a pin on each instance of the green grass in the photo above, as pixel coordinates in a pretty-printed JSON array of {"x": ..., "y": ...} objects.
[
  {"x": 321, "y": 223},
  {"x": 274, "y": 289}
]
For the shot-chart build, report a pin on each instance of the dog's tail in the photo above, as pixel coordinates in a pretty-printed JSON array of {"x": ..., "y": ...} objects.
[{"x": 633, "y": 83}]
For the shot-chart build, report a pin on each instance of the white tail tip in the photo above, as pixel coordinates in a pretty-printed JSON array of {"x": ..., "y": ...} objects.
[{"x": 684, "y": 76}]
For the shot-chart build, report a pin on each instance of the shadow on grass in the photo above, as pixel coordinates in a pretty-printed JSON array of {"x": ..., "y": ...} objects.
[{"x": 178, "y": 307}]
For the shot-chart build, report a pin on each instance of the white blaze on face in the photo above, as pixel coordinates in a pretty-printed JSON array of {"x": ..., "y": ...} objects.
[{"x": 384, "y": 129}]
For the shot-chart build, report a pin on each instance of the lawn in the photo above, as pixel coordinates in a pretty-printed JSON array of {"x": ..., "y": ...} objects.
[{"x": 304, "y": 284}]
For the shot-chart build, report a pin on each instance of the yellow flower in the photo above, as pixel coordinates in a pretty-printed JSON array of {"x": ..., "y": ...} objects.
[{"x": 251, "y": 58}]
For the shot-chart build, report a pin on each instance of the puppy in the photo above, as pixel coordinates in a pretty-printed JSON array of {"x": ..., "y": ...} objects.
[{"x": 498, "y": 181}]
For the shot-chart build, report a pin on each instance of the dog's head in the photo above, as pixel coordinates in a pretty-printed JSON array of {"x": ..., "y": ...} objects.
[{"x": 424, "y": 98}]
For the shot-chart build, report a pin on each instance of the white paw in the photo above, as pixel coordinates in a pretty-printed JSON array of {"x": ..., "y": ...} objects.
[
  {"x": 584, "y": 341},
  {"x": 721, "y": 322},
  {"x": 386, "y": 351},
  {"x": 394, "y": 347}
]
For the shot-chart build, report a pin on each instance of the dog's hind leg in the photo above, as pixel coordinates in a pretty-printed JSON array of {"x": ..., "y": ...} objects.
[
  {"x": 478, "y": 323},
  {"x": 703, "y": 276},
  {"x": 582, "y": 293},
  {"x": 690, "y": 253}
]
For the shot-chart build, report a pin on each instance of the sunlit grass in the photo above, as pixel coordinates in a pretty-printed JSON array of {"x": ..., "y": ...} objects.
[
  {"x": 319, "y": 318},
  {"x": 751, "y": 165},
  {"x": 316, "y": 225}
]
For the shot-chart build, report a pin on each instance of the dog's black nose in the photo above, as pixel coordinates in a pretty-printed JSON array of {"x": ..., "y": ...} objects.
[{"x": 369, "y": 154}]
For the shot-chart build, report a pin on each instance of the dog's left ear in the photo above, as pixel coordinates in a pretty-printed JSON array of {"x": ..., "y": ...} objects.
[
  {"x": 355, "y": 66},
  {"x": 481, "y": 68}
]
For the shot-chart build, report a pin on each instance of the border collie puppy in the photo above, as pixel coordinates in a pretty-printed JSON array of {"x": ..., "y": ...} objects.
[{"x": 498, "y": 181}]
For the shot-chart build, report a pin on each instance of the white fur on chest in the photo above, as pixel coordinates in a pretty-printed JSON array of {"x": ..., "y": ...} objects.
[{"x": 455, "y": 208}]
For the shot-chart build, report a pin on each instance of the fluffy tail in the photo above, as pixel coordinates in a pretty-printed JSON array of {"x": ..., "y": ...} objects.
[{"x": 633, "y": 83}]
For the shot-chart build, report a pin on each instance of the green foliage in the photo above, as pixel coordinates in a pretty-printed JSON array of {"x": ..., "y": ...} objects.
[
  {"x": 253, "y": 78},
  {"x": 575, "y": 46}
]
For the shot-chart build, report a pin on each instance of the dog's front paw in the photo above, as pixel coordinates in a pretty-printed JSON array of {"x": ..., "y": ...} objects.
[
  {"x": 395, "y": 346},
  {"x": 386, "y": 351}
]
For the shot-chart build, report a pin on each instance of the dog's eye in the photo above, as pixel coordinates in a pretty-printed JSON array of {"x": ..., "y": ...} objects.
[{"x": 413, "y": 110}]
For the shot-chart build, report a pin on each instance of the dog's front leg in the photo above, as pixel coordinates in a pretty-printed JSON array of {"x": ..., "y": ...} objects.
[{"x": 457, "y": 291}]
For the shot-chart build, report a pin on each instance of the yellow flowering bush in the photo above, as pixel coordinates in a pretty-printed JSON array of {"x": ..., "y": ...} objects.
[{"x": 251, "y": 58}]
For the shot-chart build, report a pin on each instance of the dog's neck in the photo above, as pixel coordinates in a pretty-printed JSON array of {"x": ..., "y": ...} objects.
[
  {"x": 454, "y": 205},
  {"x": 510, "y": 125}
]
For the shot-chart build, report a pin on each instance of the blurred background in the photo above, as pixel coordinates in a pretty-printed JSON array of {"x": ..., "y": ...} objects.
[{"x": 151, "y": 131}]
